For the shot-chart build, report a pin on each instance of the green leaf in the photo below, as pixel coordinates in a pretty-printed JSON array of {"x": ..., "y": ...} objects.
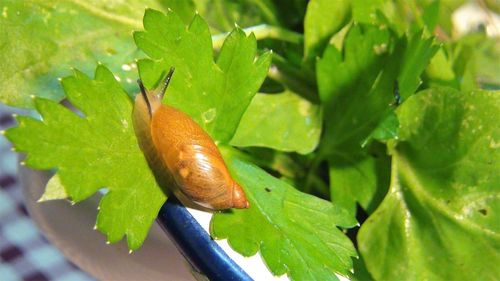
[
  {"x": 283, "y": 121},
  {"x": 357, "y": 90},
  {"x": 94, "y": 151},
  {"x": 487, "y": 63},
  {"x": 340, "y": 74},
  {"x": 476, "y": 62},
  {"x": 383, "y": 12},
  {"x": 344, "y": 87},
  {"x": 471, "y": 62},
  {"x": 42, "y": 40},
  {"x": 366, "y": 11},
  {"x": 430, "y": 14},
  {"x": 419, "y": 50},
  {"x": 214, "y": 94},
  {"x": 440, "y": 72},
  {"x": 296, "y": 233},
  {"x": 361, "y": 177},
  {"x": 440, "y": 220},
  {"x": 386, "y": 130},
  {"x": 323, "y": 19}
]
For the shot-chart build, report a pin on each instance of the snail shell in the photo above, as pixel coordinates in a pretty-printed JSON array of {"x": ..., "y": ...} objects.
[{"x": 183, "y": 155}]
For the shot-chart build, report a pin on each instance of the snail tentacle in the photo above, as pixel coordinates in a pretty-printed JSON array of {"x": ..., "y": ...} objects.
[{"x": 166, "y": 82}]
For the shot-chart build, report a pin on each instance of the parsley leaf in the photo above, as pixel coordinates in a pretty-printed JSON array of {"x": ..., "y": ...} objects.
[
  {"x": 357, "y": 87},
  {"x": 295, "y": 232},
  {"x": 98, "y": 150},
  {"x": 215, "y": 95},
  {"x": 283, "y": 121},
  {"x": 442, "y": 211},
  {"x": 323, "y": 19}
]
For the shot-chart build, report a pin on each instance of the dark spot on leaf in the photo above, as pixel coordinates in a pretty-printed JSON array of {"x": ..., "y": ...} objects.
[
  {"x": 267, "y": 189},
  {"x": 484, "y": 212}
]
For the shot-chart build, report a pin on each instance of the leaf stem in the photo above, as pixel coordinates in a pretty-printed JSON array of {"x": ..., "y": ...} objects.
[{"x": 263, "y": 31}]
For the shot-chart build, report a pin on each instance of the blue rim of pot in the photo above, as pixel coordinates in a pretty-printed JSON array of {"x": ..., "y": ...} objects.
[{"x": 196, "y": 245}]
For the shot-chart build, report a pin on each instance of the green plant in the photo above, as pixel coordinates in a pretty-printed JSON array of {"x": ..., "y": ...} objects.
[{"x": 363, "y": 114}]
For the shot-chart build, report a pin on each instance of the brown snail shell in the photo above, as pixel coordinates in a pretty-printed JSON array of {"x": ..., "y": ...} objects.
[{"x": 183, "y": 155}]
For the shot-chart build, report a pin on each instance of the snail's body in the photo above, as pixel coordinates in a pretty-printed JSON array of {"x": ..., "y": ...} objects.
[{"x": 177, "y": 146}]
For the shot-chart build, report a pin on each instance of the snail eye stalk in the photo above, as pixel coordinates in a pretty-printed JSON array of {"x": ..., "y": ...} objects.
[
  {"x": 144, "y": 94},
  {"x": 163, "y": 89}
]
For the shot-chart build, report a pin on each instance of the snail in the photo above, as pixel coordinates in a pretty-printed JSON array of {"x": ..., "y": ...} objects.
[{"x": 182, "y": 154}]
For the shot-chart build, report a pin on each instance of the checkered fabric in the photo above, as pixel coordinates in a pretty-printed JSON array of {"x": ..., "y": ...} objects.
[{"x": 24, "y": 253}]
